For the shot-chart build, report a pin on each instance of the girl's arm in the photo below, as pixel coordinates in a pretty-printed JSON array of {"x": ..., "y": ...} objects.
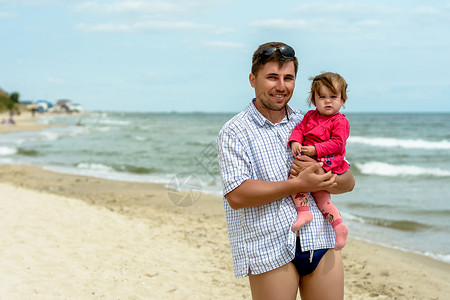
[
  {"x": 337, "y": 141},
  {"x": 299, "y": 130}
]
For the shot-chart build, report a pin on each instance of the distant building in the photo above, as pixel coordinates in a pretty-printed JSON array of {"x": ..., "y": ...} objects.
[{"x": 65, "y": 105}]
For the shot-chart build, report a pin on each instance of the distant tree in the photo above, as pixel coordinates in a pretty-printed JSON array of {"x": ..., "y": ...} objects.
[
  {"x": 6, "y": 103},
  {"x": 14, "y": 97}
]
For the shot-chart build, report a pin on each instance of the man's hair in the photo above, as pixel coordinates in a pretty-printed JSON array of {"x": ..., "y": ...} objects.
[
  {"x": 335, "y": 82},
  {"x": 259, "y": 60}
]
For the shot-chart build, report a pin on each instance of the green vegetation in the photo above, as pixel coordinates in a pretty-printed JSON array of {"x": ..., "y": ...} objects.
[{"x": 8, "y": 102}]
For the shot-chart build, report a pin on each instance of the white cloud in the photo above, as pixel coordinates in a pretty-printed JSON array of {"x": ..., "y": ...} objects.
[
  {"x": 54, "y": 80},
  {"x": 280, "y": 24},
  {"x": 371, "y": 23},
  {"x": 426, "y": 10},
  {"x": 7, "y": 15},
  {"x": 345, "y": 8},
  {"x": 33, "y": 3},
  {"x": 224, "y": 44},
  {"x": 133, "y": 7},
  {"x": 115, "y": 28},
  {"x": 153, "y": 26}
]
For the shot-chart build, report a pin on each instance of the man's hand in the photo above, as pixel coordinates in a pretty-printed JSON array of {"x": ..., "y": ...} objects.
[
  {"x": 345, "y": 182},
  {"x": 301, "y": 163},
  {"x": 310, "y": 181}
]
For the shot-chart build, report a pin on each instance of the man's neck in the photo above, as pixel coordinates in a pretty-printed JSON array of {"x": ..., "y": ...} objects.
[{"x": 274, "y": 116}]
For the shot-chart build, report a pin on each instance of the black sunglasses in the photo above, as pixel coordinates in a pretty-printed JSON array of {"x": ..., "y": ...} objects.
[{"x": 284, "y": 50}]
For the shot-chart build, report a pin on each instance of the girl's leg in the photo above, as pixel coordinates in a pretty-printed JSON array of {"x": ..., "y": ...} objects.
[
  {"x": 304, "y": 216},
  {"x": 330, "y": 212},
  {"x": 327, "y": 280}
]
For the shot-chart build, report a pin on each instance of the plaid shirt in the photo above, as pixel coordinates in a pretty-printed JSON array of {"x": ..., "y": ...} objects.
[{"x": 251, "y": 147}]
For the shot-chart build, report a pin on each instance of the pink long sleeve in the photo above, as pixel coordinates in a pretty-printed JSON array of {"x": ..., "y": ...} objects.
[
  {"x": 339, "y": 131},
  {"x": 329, "y": 136},
  {"x": 299, "y": 130}
]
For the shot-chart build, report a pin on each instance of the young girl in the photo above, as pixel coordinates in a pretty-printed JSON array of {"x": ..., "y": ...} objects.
[{"x": 322, "y": 134}]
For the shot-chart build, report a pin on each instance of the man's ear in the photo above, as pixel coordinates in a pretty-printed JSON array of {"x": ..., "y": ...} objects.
[{"x": 252, "y": 78}]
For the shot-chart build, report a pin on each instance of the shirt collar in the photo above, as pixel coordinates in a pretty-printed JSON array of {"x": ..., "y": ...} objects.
[{"x": 260, "y": 119}]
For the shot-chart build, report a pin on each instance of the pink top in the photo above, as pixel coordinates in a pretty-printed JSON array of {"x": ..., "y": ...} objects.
[{"x": 329, "y": 136}]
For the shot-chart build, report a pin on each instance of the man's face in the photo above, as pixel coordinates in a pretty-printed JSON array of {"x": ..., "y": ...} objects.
[{"x": 273, "y": 86}]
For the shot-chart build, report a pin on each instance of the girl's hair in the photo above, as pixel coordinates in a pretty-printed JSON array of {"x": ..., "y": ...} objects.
[{"x": 335, "y": 82}]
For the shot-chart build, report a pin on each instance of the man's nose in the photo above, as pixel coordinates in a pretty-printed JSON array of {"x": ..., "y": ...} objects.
[{"x": 281, "y": 85}]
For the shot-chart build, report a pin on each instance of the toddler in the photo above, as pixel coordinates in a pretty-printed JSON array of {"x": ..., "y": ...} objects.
[{"x": 322, "y": 134}]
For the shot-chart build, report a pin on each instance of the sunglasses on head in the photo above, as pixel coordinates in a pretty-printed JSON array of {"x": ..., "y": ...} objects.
[{"x": 284, "y": 50}]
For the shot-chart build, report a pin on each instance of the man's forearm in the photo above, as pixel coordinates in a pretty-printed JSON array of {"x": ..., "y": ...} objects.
[
  {"x": 345, "y": 183},
  {"x": 252, "y": 193},
  {"x": 257, "y": 192}
]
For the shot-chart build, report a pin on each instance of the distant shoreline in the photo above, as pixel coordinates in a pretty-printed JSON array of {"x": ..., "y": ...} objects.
[{"x": 25, "y": 121}]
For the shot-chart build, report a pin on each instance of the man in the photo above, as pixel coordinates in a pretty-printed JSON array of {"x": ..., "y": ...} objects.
[{"x": 255, "y": 161}]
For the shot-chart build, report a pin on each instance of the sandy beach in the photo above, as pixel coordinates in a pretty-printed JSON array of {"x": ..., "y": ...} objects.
[
  {"x": 24, "y": 122},
  {"x": 74, "y": 237}
]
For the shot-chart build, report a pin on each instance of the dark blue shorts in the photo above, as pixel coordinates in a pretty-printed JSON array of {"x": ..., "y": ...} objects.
[{"x": 303, "y": 262}]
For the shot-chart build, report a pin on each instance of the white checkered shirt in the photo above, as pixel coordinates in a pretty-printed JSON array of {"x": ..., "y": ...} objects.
[{"x": 251, "y": 147}]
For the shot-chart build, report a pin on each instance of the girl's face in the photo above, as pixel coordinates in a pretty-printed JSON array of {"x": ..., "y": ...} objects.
[{"x": 327, "y": 102}]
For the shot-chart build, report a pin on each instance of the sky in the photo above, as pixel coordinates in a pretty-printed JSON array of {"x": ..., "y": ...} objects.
[{"x": 164, "y": 56}]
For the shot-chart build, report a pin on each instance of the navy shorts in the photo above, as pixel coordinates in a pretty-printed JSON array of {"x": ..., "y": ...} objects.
[{"x": 303, "y": 262}]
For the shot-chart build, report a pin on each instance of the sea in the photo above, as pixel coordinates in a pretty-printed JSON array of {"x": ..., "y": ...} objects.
[{"x": 401, "y": 164}]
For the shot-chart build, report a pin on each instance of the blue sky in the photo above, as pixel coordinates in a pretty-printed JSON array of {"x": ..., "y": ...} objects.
[{"x": 195, "y": 55}]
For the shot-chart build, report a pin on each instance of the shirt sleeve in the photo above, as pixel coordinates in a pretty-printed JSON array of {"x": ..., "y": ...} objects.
[
  {"x": 299, "y": 131},
  {"x": 234, "y": 161},
  {"x": 340, "y": 130}
]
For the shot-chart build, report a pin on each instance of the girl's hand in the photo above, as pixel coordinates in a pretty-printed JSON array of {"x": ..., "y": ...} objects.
[
  {"x": 309, "y": 150},
  {"x": 296, "y": 148}
]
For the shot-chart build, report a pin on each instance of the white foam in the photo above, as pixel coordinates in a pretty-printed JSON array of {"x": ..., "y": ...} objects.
[
  {"x": 4, "y": 151},
  {"x": 113, "y": 122},
  {"x": 384, "y": 169},
  {"x": 49, "y": 136},
  {"x": 351, "y": 217},
  {"x": 400, "y": 143},
  {"x": 93, "y": 166},
  {"x": 140, "y": 138}
]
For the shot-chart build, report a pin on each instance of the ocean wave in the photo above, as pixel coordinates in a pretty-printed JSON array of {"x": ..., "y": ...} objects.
[
  {"x": 384, "y": 169},
  {"x": 102, "y": 129},
  {"x": 94, "y": 166},
  {"x": 140, "y": 138},
  {"x": 400, "y": 143},
  {"x": 134, "y": 169},
  {"x": 114, "y": 122},
  {"x": 403, "y": 225},
  {"x": 48, "y": 135},
  {"x": 5, "y": 151},
  {"x": 27, "y": 152},
  {"x": 116, "y": 168}
]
